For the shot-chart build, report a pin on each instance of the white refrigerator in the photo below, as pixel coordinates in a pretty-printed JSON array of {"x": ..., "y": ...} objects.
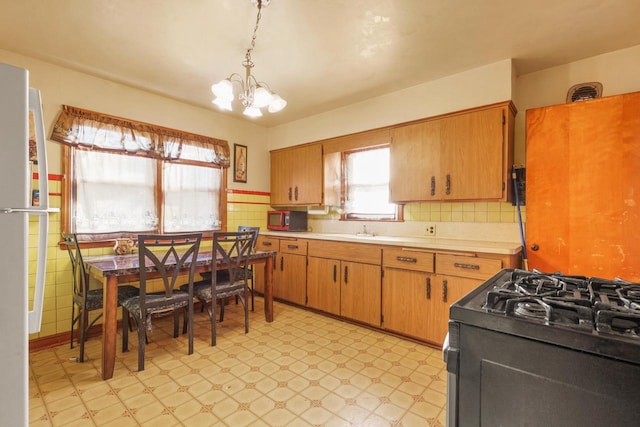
[{"x": 19, "y": 317}]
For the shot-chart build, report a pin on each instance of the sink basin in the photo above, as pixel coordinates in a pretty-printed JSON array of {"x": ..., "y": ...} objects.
[{"x": 365, "y": 235}]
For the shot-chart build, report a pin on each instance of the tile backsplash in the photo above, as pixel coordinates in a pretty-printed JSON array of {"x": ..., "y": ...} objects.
[{"x": 494, "y": 221}]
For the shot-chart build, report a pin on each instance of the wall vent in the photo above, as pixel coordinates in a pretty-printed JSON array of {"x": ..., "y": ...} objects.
[{"x": 584, "y": 91}]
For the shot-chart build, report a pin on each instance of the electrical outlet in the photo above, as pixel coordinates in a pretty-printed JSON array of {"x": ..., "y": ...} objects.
[{"x": 430, "y": 230}]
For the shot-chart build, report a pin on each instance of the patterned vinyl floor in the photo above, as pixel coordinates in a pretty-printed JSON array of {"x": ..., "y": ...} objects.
[{"x": 304, "y": 369}]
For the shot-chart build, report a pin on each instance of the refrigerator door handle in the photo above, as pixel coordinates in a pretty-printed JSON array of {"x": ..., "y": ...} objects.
[
  {"x": 35, "y": 106},
  {"x": 30, "y": 211},
  {"x": 35, "y": 315},
  {"x": 42, "y": 211}
]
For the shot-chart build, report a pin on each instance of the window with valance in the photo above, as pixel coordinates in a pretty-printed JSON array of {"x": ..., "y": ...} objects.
[{"x": 127, "y": 177}]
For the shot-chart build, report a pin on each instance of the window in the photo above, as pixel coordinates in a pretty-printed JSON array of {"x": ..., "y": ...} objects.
[
  {"x": 128, "y": 177},
  {"x": 113, "y": 193},
  {"x": 119, "y": 193},
  {"x": 366, "y": 185},
  {"x": 191, "y": 198}
]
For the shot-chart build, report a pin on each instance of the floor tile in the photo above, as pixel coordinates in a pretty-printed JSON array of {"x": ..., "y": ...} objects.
[{"x": 304, "y": 369}]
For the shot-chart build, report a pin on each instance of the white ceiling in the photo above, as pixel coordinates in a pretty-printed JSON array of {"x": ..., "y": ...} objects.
[{"x": 317, "y": 54}]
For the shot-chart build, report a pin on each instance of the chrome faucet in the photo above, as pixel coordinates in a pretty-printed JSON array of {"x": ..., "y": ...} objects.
[{"x": 364, "y": 232}]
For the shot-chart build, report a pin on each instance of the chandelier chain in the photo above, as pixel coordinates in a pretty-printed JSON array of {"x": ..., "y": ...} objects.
[{"x": 248, "y": 61}]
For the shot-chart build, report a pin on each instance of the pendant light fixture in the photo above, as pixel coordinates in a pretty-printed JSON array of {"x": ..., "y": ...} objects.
[{"x": 254, "y": 95}]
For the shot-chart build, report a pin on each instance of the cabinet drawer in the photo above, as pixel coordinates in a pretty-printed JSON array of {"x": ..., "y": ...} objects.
[
  {"x": 465, "y": 266},
  {"x": 345, "y": 251},
  {"x": 408, "y": 259},
  {"x": 267, "y": 243},
  {"x": 293, "y": 246}
]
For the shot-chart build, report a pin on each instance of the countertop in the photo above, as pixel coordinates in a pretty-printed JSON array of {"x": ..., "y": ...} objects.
[{"x": 434, "y": 243}]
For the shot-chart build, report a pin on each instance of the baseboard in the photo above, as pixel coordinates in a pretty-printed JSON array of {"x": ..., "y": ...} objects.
[{"x": 55, "y": 340}]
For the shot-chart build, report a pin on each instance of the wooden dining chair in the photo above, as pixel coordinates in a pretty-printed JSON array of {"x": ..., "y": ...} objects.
[
  {"x": 84, "y": 298},
  {"x": 170, "y": 257},
  {"x": 256, "y": 231},
  {"x": 223, "y": 275},
  {"x": 233, "y": 250}
]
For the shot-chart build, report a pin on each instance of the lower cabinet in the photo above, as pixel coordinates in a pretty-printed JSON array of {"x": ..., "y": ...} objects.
[
  {"x": 264, "y": 243},
  {"x": 290, "y": 277},
  {"x": 347, "y": 288},
  {"x": 451, "y": 290},
  {"x": 419, "y": 287},
  {"x": 407, "y": 303},
  {"x": 360, "y": 292},
  {"x": 290, "y": 268},
  {"x": 323, "y": 284},
  {"x": 403, "y": 290}
]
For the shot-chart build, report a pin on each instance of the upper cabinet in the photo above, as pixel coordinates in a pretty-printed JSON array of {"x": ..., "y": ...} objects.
[
  {"x": 296, "y": 176},
  {"x": 463, "y": 156}
]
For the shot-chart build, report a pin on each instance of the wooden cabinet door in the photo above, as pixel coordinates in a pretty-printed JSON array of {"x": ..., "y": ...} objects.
[
  {"x": 466, "y": 156},
  {"x": 296, "y": 176},
  {"x": 290, "y": 282},
  {"x": 582, "y": 187},
  {"x": 307, "y": 178},
  {"x": 472, "y": 147},
  {"x": 360, "y": 292},
  {"x": 407, "y": 302},
  {"x": 281, "y": 176},
  {"x": 446, "y": 290},
  {"x": 323, "y": 284},
  {"x": 415, "y": 162}
]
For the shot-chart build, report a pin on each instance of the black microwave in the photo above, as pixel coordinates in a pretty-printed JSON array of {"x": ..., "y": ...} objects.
[{"x": 287, "y": 220}]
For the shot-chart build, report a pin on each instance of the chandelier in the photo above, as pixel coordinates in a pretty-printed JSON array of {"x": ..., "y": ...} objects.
[{"x": 254, "y": 95}]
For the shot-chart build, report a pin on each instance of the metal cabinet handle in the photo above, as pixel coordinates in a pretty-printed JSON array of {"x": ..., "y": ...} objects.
[
  {"x": 290, "y": 193},
  {"x": 406, "y": 259},
  {"x": 267, "y": 243},
  {"x": 282, "y": 263},
  {"x": 292, "y": 246},
  {"x": 346, "y": 274},
  {"x": 535, "y": 247},
  {"x": 448, "y": 185},
  {"x": 466, "y": 266},
  {"x": 428, "y": 287},
  {"x": 433, "y": 185},
  {"x": 335, "y": 273},
  {"x": 444, "y": 290},
  {"x": 296, "y": 192}
]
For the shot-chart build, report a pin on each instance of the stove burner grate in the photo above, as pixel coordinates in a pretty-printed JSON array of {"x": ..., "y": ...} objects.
[{"x": 589, "y": 304}]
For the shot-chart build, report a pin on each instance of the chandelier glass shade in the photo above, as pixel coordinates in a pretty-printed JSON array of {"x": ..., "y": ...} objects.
[{"x": 253, "y": 95}]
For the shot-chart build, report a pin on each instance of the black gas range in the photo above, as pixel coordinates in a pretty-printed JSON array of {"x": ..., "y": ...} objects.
[{"x": 535, "y": 349}]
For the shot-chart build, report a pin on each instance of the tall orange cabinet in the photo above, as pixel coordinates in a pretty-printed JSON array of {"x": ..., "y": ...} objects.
[{"x": 583, "y": 187}]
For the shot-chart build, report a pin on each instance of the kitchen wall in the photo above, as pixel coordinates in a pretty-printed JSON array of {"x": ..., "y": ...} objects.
[
  {"x": 474, "y": 221},
  {"x": 247, "y": 203},
  {"x": 618, "y": 71},
  {"x": 479, "y": 86},
  {"x": 63, "y": 86}
]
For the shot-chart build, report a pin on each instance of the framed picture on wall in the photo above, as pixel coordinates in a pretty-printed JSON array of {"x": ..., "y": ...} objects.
[{"x": 239, "y": 163}]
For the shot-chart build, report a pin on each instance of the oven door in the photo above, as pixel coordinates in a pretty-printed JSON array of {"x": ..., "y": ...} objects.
[{"x": 499, "y": 379}]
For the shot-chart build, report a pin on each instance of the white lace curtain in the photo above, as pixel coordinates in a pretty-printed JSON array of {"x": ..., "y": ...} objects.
[{"x": 116, "y": 182}]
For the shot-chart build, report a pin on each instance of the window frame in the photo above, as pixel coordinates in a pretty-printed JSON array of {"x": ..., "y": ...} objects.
[
  {"x": 106, "y": 239},
  {"x": 346, "y": 216}
]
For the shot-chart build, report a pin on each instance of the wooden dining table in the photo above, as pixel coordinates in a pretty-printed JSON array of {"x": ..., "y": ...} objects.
[{"x": 113, "y": 270}]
